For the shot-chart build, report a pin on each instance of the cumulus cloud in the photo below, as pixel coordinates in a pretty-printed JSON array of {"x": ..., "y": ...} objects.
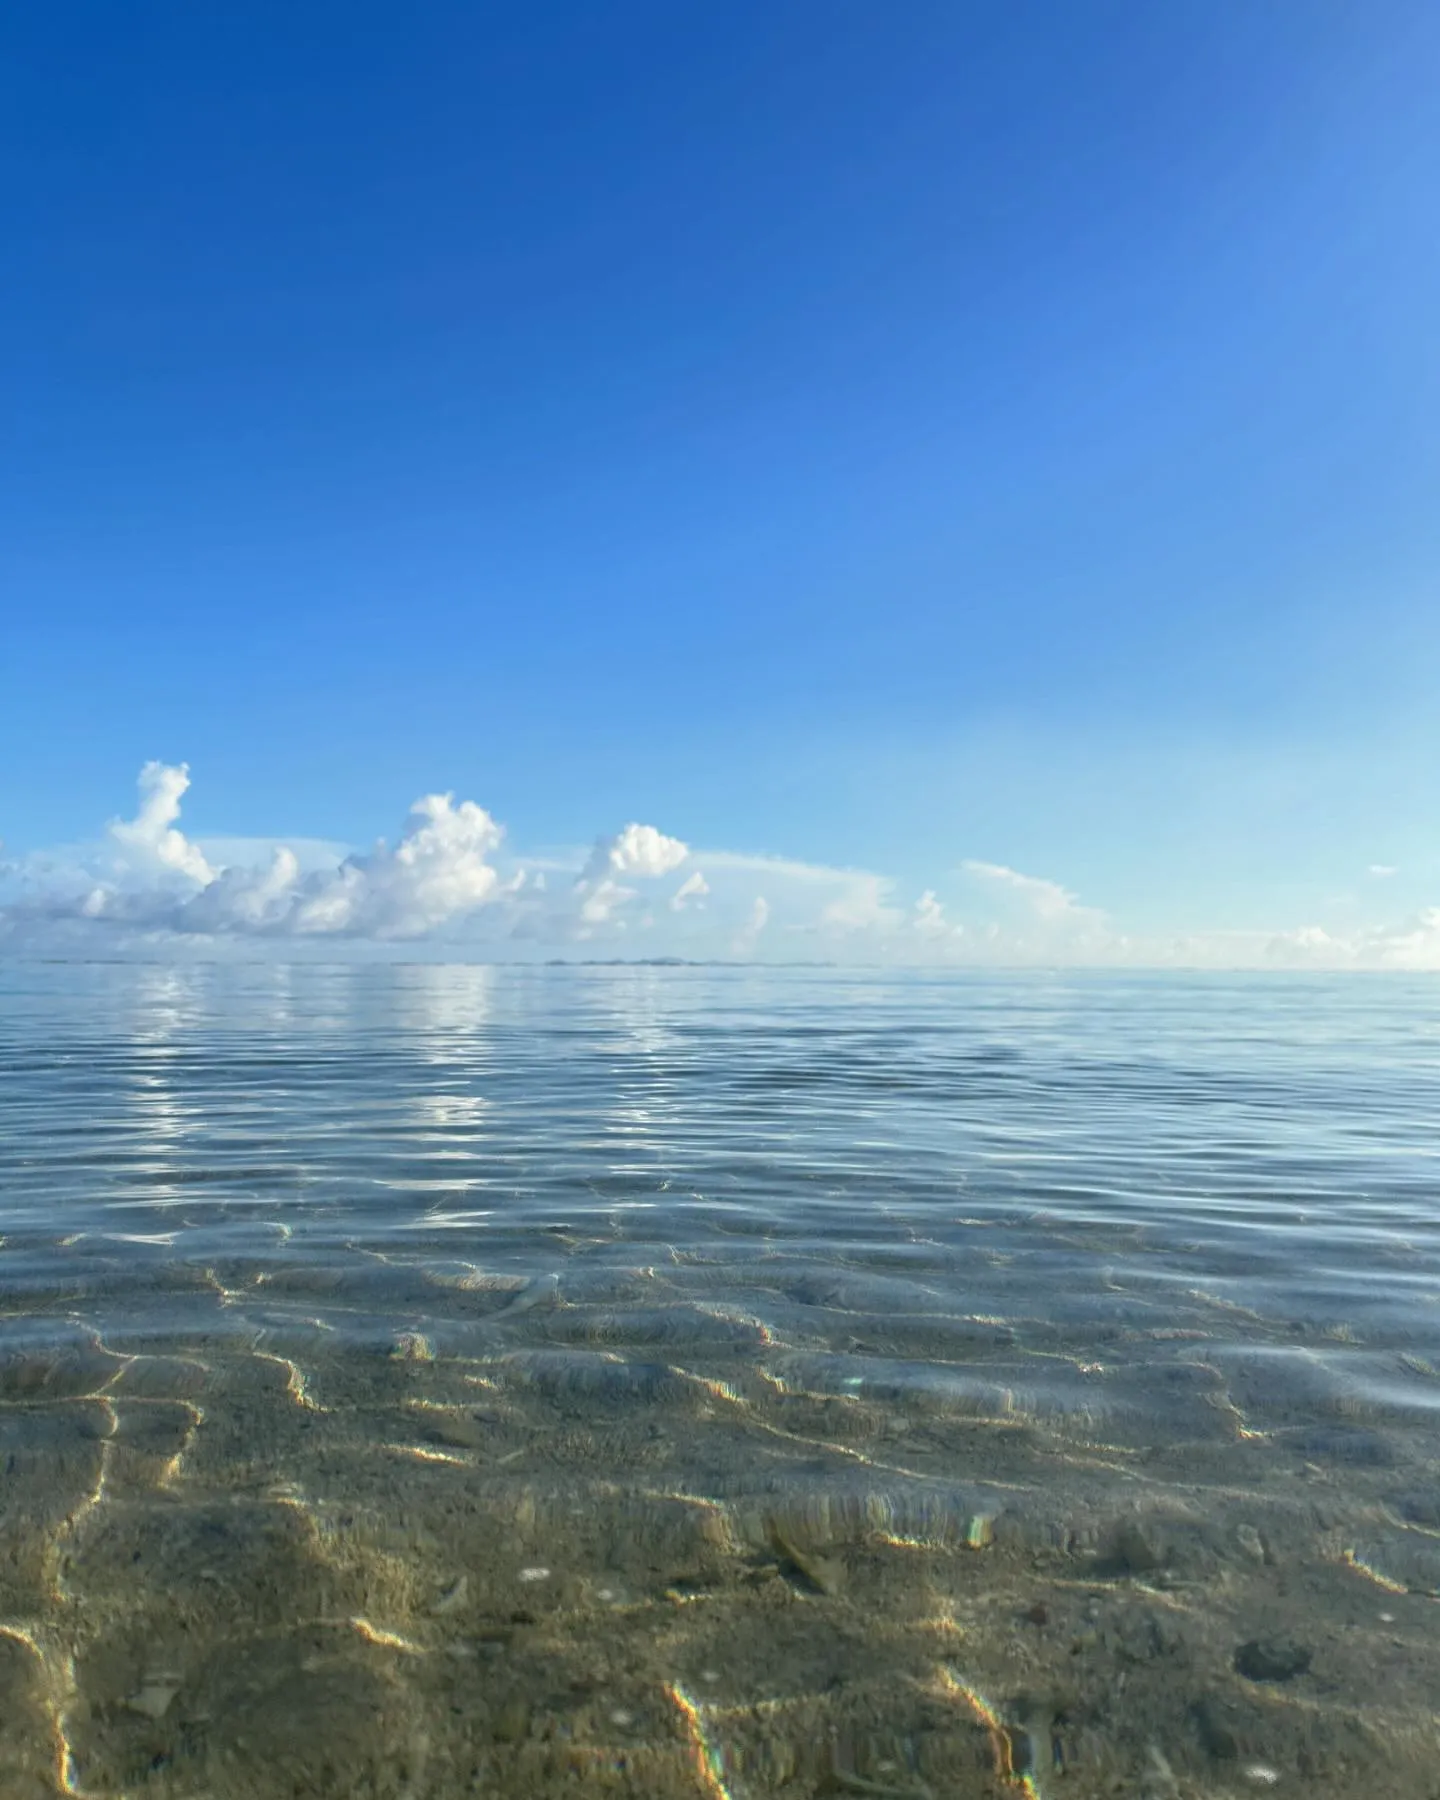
[
  {"x": 245, "y": 899},
  {"x": 1413, "y": 943},
  {"x": 929, "y": 922},
  {"x": 150, "y": 838},
  {"x": 437, "y": 871},
  {"x": 1304, "y": 945},
  {"x": 449, "y": 879},
  {"x": 636, "y": 851}
]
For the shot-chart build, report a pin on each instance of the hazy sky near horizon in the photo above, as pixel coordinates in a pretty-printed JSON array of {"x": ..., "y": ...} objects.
[{"x": 965, "y": 475}]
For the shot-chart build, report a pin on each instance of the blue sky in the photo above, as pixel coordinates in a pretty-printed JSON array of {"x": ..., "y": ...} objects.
[{"x": 886, "y": 439}]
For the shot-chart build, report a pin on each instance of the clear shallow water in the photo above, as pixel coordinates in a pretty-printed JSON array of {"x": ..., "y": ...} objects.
[{"x": 424, "y": 1381}]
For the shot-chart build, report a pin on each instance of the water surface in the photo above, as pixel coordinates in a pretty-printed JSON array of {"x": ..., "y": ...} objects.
[{"x": 421, "y": 1381}]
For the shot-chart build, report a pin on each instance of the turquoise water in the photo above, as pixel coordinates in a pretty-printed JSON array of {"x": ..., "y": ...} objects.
[{"x": 425, "y": 1381}]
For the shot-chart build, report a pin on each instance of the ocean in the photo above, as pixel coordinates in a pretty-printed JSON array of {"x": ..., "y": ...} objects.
[{"x": 421, "y": 1381}]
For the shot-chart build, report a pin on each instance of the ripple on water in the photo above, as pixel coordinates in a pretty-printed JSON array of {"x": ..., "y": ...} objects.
[{"x": 657, "y": 1382}]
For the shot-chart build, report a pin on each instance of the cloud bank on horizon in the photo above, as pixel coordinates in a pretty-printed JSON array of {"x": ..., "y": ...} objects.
[{"x": 450, "y": 887}]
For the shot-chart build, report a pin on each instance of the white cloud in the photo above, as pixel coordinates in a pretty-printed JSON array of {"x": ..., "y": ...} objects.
[
  {"x": 1032, "y": 919},
  {"x": 863, "y": 905},
  {"x": 1045, "y": 899},
  {"x": 694, "y": 887},
  {"x": 241, "y": 899},
  {"x": 637, "y": 850},
  {"x": 929, "y": 922},
  {"x": 448, "y": 879},
  {"x": 1413, "y": 943},
  {"x": 844, "y": 905},
  {"x": 748, "y": 936},
  {"x": 777, "y": 868},
  {"x": 254, "y": 852},
  {"x": 1382, "y": 871},
  {"x": 1306, "y": 944},
  {"x": 150, "y": 838},
  {"x": 601, "y": 899},
  {"x": 438, "y": 871}
]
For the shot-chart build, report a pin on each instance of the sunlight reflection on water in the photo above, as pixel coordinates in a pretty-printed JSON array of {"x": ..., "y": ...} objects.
[{"x": 426, "y": 1380}]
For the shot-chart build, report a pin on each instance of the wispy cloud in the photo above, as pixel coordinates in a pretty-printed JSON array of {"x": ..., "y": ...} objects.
[
  {"x": 748, "y": 936},
  {"x": 1041, "y": 920},
  {"x": 1045, "y": 899},
  {"x": 692, "y": 889},
  {"x": 781, "y": 868},
  {"x": 863, "y": 904}
]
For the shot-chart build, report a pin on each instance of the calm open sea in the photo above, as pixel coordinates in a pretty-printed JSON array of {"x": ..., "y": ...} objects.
[{"x": 422, "y": 1381}]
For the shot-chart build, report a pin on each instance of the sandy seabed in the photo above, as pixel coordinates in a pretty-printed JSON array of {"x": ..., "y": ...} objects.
[{"x": 521, "y": 1546}]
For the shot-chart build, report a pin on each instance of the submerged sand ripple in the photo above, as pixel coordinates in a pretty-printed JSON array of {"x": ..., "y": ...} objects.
[
  {"x": 680, "y": 1553},
  {"x": 427, "y": 1383}
]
